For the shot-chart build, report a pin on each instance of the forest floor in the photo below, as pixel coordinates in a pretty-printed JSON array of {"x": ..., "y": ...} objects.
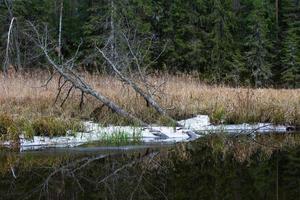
[{"x": 23, "y": 100}]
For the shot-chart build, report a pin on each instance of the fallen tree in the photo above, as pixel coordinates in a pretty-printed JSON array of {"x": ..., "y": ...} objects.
[
  {"x": 66, "y": 72},
  {"x": 128, "y": 61},
  {"x": 68, "y": 77}
]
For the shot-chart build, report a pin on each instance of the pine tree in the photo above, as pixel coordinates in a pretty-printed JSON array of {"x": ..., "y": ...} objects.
[
  {"x": 291, "y": 60},
  {"x": 182, "y": 25},
  {"x": 97, "y": 26},
  {"x": 238, "y": 71},
  {"x": 290, "y": 57},
  {"x": 222, "y": 40},
  {"x": 258, "y": 45}
]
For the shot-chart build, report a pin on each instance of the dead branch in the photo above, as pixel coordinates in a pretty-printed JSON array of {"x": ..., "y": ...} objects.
[
  {"x": 81, "y": 100},
  {"x": 68, "y": 94},
  {"x": 59, "y": 91},
  {"x": 60, "y": 56},
  {"x": 130, "y": 82}
]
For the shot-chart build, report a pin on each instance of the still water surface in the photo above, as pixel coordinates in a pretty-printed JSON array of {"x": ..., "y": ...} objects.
[{"x": 213, "y": 167}]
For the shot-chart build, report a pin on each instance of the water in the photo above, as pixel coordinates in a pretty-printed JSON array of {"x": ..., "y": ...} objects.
[{"x": 213, "y": 167}]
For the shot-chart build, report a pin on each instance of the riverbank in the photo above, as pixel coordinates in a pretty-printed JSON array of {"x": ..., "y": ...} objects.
[
  {"x": 190, "y": 130},
  {"x": 23, "y": 99}
]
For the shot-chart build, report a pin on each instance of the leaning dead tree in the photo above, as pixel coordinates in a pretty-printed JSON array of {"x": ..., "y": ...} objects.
[
  {"x": 131, "y": 68},
  {"x": 70, "y": 78},
  {"x": 68, "y": 75}
]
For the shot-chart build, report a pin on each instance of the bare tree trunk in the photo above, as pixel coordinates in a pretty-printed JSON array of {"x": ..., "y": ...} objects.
[
  {"x": 277, "y": 14},
  {"x": 236, "y": 5},
  {"x": 7, "y": 58},
  {"x": 12, "y": 36},
  {"x": 19, "y": 65},
  {"x": 112, "y": 31},
  {"x": 60, "y": 31},
  {"x": 18, "y": 52}
]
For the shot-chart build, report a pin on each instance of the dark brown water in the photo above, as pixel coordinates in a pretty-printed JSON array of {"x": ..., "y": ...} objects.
[{"x": 213, "y": 167}]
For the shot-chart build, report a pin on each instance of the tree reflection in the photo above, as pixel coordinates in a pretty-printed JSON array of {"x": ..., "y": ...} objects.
[{"x": 214, "y": 167}]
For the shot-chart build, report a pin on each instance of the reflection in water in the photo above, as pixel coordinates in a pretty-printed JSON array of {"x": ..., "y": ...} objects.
[{"x": 214, "y": 167}]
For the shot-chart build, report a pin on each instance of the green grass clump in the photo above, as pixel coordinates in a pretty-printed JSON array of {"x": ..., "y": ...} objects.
[
  {"x": 116, "y": 138},
  {"x": 24, "y": 127},
  {"x": 51, "y": 126},
  {"x": 218, "y": 115},
  {"x": 122, "y": 138},
  {"x": 8, "y": 129},
  {"x": 5, "y": 123},
  {"x": 12, "y": 127}
]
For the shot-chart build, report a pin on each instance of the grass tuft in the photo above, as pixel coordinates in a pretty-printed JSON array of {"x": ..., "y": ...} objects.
[
  {"x": 11, "y": 128},
  {"x": 51, "y": 126}
]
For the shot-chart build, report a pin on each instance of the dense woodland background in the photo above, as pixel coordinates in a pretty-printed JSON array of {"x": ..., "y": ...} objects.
[{"x": 236, "y": 42}]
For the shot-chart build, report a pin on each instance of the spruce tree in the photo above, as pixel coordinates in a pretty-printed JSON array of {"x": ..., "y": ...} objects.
[
  {"x": 290, "y": 57},
  {"x": 291, "y": 60},
  {"x": 182, "y": 25},
  {"x": 258, "y": 45},
  {"x": 222, "y": 40}
]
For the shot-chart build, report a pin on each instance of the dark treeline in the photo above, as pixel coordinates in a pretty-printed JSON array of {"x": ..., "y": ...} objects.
[{"x": 238, "y": 42}]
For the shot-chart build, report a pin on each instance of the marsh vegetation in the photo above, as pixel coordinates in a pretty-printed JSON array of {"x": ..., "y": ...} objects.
[{"x": 32, "y": 109}]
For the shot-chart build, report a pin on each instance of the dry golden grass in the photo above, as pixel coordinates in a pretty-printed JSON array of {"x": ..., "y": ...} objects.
[{"x": 182, "y": 95}]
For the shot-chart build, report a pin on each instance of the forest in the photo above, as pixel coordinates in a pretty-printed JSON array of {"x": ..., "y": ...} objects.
[
  {"x": 140, "y": 99},
  {"x": 234, "y": 42}
]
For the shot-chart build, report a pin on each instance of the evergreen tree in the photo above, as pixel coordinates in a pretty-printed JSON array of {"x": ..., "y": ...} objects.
[
  {"x": 238, "y": 71},
  {"x": 230, "y": 41},
  {"x": 97, "y": 27},
  {"x": 290, "y": 57},
  {"x": 291, "y": 60},
  {"x": 222, "y": 40},
  {"x": 258, "y": 45}
]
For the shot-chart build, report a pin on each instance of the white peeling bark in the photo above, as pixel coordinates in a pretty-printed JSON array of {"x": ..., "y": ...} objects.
[{"x": 7, "y": 60}]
